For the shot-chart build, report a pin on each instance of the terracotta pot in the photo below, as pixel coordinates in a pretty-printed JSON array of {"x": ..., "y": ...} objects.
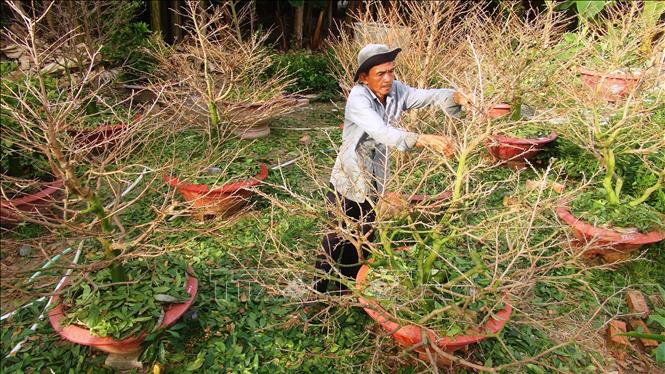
[
  {"x": 611, "y": 86},
  {"x": 516, "y": 151},
  {"x": 82, "y": 336},
  {"x": 435, "y": 201},
  {"x": 101, "y": 136},
  {"x": 39, "y": 203},
  {"x": 410, "y": 335},
  {"x": 223, "y": 201},
  {"x": 499, "y": 110},
  {"x": 609, "y": 243},
  {"x": 243, "y": 116}
]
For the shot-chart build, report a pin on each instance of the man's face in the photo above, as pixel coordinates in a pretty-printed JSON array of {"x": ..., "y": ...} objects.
[{"x": 380, "y": 79}]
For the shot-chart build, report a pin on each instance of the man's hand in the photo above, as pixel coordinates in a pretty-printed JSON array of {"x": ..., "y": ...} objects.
[
  {"x": 391, "y": 205},
  {"x": 467, "y": 101},
  {"x": 442, "y": 144}
]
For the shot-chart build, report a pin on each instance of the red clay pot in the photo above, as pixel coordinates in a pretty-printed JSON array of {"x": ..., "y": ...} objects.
[
  {"x": 100, "y": 136},
  {"x": 410, "y": 335},
  {"x": 499, "y": 110},
  {"x": 225, "y": 200},
  {"x": 516, "y": 151},
  {"x": 611, "y": 244},
  {"x": 38, "y": 203},
  {"x": 434, "y": 200},
  {"x": 82, "y": 336},
  {"x": 243, "y": 115},
  {"x": 611, "y": 87}
]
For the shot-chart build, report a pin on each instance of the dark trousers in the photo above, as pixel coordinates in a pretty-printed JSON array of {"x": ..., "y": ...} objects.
[{"x": 340, "y": 253}]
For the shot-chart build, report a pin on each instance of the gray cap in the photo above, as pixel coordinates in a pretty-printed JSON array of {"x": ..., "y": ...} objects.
[{"x": 372, "y": 55}]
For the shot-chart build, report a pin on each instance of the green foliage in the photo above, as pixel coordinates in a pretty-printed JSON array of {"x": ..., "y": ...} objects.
[
  {"x": 14, "y": 160},
  {"x": 593, "y": 207},
  {"x": 639, "y": 177},
  {"x": 397, "y": 289},
  {"x": 124, "y": 310},
  {"x": 312, "y": 72},
  {"x": 586, "y": 9},
  {"x": 572, "y": 160},
  {"x": 128, "y": 44},
  {"x": 529, "y": 130},
  {"x": 520, "y": 341}
]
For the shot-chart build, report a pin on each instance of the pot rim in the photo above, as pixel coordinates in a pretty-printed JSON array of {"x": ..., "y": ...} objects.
[
  {"x": 204, "y": 189},
  {"x": 82, "y": 336},
  {"x": 607, "y": 234},
  {"x": 50, "y": 189},
  {"x": 505, "y": 139},
  {"x": 380, "y": 315},
  {"x": 621, "y": 76}
]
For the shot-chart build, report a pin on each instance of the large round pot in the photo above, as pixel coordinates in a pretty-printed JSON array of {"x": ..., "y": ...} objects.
[
  {"x": 38, "y": 203},
  {"x": 433, "y": 202},
  {"x": 101, "y": 136},
  {"x": 82, "y": 336},
  {"x": 411, "y": 335},
  {"x": 244, "y": 118},
  {"x": 250, "y": 120},
  {"x": 516, "y": 151},
  {"x": 499, "y": 110},
  {"x": 610, "y": 86},
  {"x": 223, "y": 201},
  {"x": 611, "y": 244}
]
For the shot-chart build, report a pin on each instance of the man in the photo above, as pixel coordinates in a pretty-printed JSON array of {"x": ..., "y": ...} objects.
[{"x": 373, "y": 108}]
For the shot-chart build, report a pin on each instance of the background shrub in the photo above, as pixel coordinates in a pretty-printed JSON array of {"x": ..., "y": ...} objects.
[{"x": 312, "y": 71}]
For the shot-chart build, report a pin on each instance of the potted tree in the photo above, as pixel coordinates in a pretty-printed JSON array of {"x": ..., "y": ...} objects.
[
  {"x": 29, "y": 189},
  {"x": 624, "y": 210},
  {"x": 515, "y": 60},
  {"x": 618, "y": 45},
  {"x": 125, "y": 289},
  {"x": 235, "y": 97},
  {"x": 227, "y": 71}
]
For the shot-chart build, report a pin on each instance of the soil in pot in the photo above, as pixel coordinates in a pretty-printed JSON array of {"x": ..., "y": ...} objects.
[
  {"x": 240, "y": 169},
  {"x": 529, "y": 130}
]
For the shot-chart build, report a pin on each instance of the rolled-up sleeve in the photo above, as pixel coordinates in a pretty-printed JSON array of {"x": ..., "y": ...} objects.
[
  {"x": 418, "y": 98},
  {"x": 360, "y": 112}
]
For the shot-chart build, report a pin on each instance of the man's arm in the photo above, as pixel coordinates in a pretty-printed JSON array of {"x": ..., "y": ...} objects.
[
  {"x": 447, "y": 99},
  {"x": 359, "y": 111}
]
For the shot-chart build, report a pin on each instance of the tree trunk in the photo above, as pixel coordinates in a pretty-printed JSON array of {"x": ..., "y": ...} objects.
[
  {"x": 307, "y": 27},
  {"x": 176, "y": 30},
  {"x": 156, "y": 17},
  {"x": 282, "y": 28},
  {"x": 332, "y": 5},
  {"x": 316, "y": 40},
  {"x": 298, "y": 25}
]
